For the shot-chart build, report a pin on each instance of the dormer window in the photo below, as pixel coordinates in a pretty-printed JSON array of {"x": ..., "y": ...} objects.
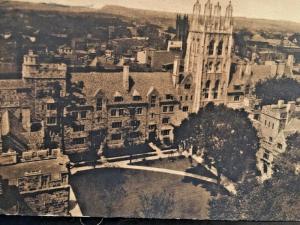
[
  {"x": 99, "y": 104},
  {"x": 169, "y": 97},
  {"x": 51, "y": 106},
  {"x": 237, "y": 87},
  {"x": 153, "y": 100},
  {"x": 136, "y": 96},
  {"x": 118, "y": 99},
  {"x": 187, "y": 86}
]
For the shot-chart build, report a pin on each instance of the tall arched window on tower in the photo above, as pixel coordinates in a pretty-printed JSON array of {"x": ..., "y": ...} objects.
[
  {"x": 217, "y": 84},
  {"x": 206, "y": 90},
  {"x": 220, "y": 48},
  {"x": 207, "y": 84},
  {"x": 211, "y": 47},
  {"x": 210, "y": 67},
  {"x": 218, "y": 67},
  {"x": 216, "y": 89}
]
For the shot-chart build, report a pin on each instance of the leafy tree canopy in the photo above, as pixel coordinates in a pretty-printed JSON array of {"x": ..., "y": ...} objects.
[
  {"x": 225, "y": 136},
  {"x": 276, "y": 199},
  {"x": 272, "y": 90}
]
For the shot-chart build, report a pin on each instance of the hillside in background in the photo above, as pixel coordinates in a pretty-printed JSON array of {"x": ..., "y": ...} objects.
[
  {"x": 163, "y": 19},
  {"x": 168, "y": 19}
]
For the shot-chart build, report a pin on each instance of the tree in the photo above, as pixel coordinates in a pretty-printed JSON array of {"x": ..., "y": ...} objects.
[
  {"x": 276, "y": 199},
  {"x": 226, "y": 137},
  {"x": 272, "y": 90},
  {"x": 157, "y": 205}
]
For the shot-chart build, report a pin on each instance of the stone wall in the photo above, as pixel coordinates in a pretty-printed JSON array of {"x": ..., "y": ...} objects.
[{"x": 49, "y": 202}]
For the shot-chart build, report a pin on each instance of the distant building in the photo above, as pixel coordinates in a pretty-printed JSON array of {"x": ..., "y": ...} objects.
[
  {"x": 175, "y": 46},
  {"x": 182, "y": 30},
  {"x": 157, "y": 59},
  {"x": 245, "y": 75},
  {"x": 144, "y": 56},
  {"x": 65, "y": 50}
]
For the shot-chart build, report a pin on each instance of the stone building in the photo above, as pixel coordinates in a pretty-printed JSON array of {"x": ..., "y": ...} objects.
[
  {"x": 182, "y": 31},
  {"x": 208, "y": 56},
  {"x": 277, "y": 123},
  {"x": 245, "y": 75},
  {"x": 48, "y": 87},
  {"x": 30, "y": 135},
  {"x": 39, "y": 174},
  {"x": 128, "y": 106}
]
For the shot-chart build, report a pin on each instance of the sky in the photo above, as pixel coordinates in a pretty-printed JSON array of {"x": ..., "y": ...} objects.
[{"x": 268, "y": 9}]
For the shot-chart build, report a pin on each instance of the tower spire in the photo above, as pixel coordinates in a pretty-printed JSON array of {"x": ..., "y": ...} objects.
[
  {"x": 196, "y": 15},
  {"x": 228, "y": 15}
]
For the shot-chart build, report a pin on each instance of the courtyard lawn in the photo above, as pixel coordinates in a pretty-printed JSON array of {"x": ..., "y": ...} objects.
[{"x": 93, "y": 190}]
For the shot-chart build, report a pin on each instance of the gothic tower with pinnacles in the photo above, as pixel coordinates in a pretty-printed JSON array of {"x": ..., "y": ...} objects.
[{"x": 208, "y": 57}]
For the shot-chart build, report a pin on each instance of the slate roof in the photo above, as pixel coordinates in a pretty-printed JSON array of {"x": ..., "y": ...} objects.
[
  {"x": 259, "y": 73},
  {"x": 111, "y": 83}
]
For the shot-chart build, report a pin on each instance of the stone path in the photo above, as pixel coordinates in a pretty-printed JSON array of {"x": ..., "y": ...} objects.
[
  {"x": 126, "y": 164},
  {"x": 229, "y": 185},
  {"x": 76, "y": 211}
]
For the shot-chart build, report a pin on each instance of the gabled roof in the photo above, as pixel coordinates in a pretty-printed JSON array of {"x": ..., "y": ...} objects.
[
  {"x": 135, "y": 93},
  {"x": 110, "y": 83}
]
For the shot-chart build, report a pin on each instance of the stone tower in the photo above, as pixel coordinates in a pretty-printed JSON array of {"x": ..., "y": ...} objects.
[
  {"x": 208, "y": 56},
  {"x": 30, "y": 65},
  {"x": 182, "y": 30}
]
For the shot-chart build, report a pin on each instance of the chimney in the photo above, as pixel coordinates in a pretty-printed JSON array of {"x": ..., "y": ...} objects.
[
  {"x": 176, "y": 70},
  {"x": 5, "y": 123},
  {"x": 280, "y": 103},
  {"x": 126, "y": 77},
  {"x": 25, "y": 117},
  {"x": 248, "y": 69},
  {"x": 290, "y": 63},
  {"x": 290, "y": 109}
]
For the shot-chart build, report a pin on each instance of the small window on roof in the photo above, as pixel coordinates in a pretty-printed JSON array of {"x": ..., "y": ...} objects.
[
  {"x": 136, "y": 96},
  {"x": 118, "y": 97},
  {"x": 169, "y": 97},
  {"x": 187, "y": 86}
]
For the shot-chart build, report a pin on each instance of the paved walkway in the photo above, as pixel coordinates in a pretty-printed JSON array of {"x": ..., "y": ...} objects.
[
  {"x": 155, "y": 148},
  {"x": 229, "y": 185},
  {"x": 161, "y": 170},
  {"x": 76, "y": 211},
  {"x": 126, "y": 164}
]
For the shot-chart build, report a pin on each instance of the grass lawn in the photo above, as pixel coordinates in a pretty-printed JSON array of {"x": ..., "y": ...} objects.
[{"x": 93, "y": 188}]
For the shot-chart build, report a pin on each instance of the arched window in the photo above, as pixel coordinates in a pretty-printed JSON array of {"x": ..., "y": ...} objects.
[
  {"x": 220, "y": 48},
  {"x": 218, "y": 67},
  {"x": 211, "y": 47},
  {"x": 207, "y": 84},
  {"x": 217, "y": 84},
  {"x": 210, "y": 66}
]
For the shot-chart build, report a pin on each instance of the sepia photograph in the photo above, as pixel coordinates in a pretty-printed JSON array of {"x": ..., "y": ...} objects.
[{"x": 150, "y": 109}]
